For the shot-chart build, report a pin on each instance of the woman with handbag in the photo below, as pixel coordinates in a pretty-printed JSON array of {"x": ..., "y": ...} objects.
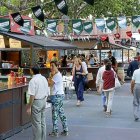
[
  {"x": 78, "y": 77},
  {"x": 108, "y": 86},
  {"x": 57, "y": 105}
]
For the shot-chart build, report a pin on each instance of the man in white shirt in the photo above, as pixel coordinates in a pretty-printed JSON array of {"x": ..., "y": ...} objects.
[
  {"x": 99, "y": 82},
  {"x": 135, "y": 90},
  {"x": 38, "y": 91}
]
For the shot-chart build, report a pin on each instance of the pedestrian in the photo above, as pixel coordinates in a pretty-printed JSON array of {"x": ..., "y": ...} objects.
[
  {"x": 38, "y": 91},
  {"x": 135, "y": 90},
  {"x": 132, "y": 67},
  {"x": 109, "y": 86},
  {"x": 78, "y": 74},
  {"x": 113, "y": 60},
  {"x": 99, "y": 82},
  {"x": 56, "y": 82}
]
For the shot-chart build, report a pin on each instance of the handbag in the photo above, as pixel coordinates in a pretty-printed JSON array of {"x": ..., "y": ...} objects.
[
  {"x": 117, "y": 83},
  {"x": 51, "y": 99}
]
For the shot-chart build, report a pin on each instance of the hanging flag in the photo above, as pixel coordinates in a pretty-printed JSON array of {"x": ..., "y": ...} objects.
[
  {"x": 91, "y": 2},
  {"x": 117, "y": 35},
  {"x": 17, "y": 18},
  {"x": 104, "y": 38},
  {"x": 77, "y": 26},
  {"x": 122, "y": 22},
  {"x": 139, "y": 31},
  {"x": 129, "y": 33},
  {"x": 51, "y": 25},
  {"x": 62, "y": 6},
  {"x": 111, "y": 23},
  {"x": 4, "y": 24},
  {"x": 136, "y": 20},
  {"x": 100, "y": 23},
  {"x": 26, "y": 26},
  {"x": 38, "y": 12},
  {"x": 88, "y": 27}
]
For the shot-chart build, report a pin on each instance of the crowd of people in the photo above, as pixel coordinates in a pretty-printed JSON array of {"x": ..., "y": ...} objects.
[{"x": 105, "y": 83}]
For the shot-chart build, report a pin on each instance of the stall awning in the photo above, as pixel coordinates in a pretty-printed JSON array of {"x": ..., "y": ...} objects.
[
  {"x": 114, "y": 44},
  {"x": 39, "y": 41}
]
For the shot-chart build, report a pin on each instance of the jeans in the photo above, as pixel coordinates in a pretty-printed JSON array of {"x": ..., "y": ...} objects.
[
  {"x": 103, "y": 98},
  {"x": 109, "y": 99}
]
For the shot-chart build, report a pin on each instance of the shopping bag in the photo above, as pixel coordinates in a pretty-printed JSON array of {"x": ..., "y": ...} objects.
[
  {"x": 90, "y": 76},
  {"x": 117, "y": 83}
]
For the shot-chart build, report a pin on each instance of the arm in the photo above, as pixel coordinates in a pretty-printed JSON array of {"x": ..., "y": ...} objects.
[
  {"x": 98, "y": 78},
  {"x": 132, "y": 86}
]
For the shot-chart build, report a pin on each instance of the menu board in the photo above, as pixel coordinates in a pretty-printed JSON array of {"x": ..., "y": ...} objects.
[
  {"x": 2, "y": 44},
  {"x": 14, "y": 43}
]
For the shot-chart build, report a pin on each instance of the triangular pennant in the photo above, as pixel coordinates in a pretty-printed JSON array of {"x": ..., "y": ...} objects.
[
  {"x": 88, "y": 27},
  {"x": 17, "y": 18},
  {"x": 62, "y": 6},
  {"x": 111, "y": 23},
  {"x": 38, "y": 12},
  {"x": 100, "y": 23},
  {"x": 4, "y": 24},
  {"x": 129, "y": 33},
  {"x": 77, "y": 26},
  {"x": 91, "y": 2},
  {"x": 122, "y": 22},
  {"x": 51, "y": 25},
  {"x": 136, "y": 21},
  {"x": 117, "y": 35}
]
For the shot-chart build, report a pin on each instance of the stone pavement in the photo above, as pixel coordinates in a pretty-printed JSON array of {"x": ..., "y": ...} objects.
[{"x": 88, "y": 122}]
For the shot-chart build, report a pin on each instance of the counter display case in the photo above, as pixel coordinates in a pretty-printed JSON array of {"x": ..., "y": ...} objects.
[{"x": 13, "y": 116}]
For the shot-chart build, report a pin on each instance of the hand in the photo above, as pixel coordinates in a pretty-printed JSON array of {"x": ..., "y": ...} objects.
[
  {"x": 132, "y": 91},
  {"x": 29, "y": 110}
]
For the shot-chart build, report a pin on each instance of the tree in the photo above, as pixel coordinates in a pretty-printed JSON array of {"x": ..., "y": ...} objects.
[{"x": 77, "y": 8}]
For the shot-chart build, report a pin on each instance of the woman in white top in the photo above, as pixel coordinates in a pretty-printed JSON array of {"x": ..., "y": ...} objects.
[{"x": 57, "y": 107}]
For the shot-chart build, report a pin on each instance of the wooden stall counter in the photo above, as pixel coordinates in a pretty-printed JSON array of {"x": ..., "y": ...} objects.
[{"x": 13, "y": 116}]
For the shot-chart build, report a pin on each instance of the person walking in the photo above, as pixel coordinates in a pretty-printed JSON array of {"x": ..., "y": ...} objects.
[
  {"x": 56, "y": 82},
  {"x": 132, "y": 67},
  {"x": 99, "y": 82},
  {"x": 78, "y": 74},
  {"x": 113, "y": 60},
  {"x": 38, "y": 91},
  {"x": 109, "y": 86},
  {"x": 135, "y": 90}
]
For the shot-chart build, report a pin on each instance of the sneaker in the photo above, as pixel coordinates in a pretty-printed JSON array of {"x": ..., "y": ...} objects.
[
  {"x": 54, "y": 134},
  {"x": 64, "y": 133},
  {"x": 136, "y": 119},
  {"x": 78, "y": 103},
  {"x": 105, "y": 108}
]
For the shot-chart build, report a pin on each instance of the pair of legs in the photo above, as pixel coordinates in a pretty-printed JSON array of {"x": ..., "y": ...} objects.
[
  {"x": 136, "y": 102},
  {"x": 38, "y": 119},
  {"x": 103, "y": 100},
  {"x": 58, "y": 111},
  {"x": 79, "y": 87},
  {"x": 109, "y": 100}
]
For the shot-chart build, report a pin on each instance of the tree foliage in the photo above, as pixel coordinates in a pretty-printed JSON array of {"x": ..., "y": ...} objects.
[{"x": 77, "y": 8}]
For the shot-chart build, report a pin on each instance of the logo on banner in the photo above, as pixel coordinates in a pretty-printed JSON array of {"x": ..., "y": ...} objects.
[
  {"x": 62, "y": 6},
  {"x": 37, "y": 11},
  {"x": 17, "y": 18},
  {"x": 122, "y": 22},
  {"x": 111, "y": 23},
  {"x": 77, "y": 26},
  {"x": 4, "y": 24},
  {"x": 136, "y": 21},
  {"x": 100, "y": 23},
  {"x": 26, "y": 26},
  {"x": 51, "y": 25},
  {"x": 88, "y": 27}
]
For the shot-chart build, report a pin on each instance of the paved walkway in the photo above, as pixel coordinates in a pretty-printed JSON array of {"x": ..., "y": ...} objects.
[{"x": 88, "y": 122}]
